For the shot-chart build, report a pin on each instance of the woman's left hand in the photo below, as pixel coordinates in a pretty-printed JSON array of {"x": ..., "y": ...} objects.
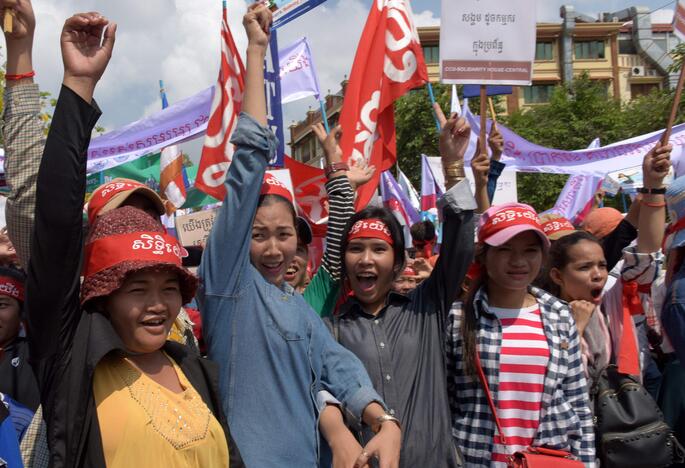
[{"x": 385, "y": 446}]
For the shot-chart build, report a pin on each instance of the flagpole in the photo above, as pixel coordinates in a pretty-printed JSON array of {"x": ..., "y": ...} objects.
[
  {"x": 324, "y": 116},
  {"x": 432, "y": 98},
  {"x": 483, "y": 116},
  {"x": 674, "y": 107}
]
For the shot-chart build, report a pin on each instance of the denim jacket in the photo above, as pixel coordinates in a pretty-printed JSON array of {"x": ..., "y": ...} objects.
[{"x": 275, "y": 353}]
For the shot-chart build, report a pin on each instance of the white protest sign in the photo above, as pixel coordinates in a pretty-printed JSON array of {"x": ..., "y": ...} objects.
[
  {"x": 487, "y": 42},
  {"x": 506, "y": 191},
  {"x": 193, "y": 229}
]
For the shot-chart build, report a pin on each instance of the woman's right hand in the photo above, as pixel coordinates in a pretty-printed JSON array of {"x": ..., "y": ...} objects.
[
  {"x": 582, "y": 313},
  {"x": 257, "y": 24}
]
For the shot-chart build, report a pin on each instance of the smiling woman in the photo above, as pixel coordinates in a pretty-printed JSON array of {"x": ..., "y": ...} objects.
[
  {"x": 526, "y": 343},
  {"x": 114, "y": 391}
]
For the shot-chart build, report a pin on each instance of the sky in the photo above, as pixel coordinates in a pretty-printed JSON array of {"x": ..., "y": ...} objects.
[{"x": 178, "y": 41}]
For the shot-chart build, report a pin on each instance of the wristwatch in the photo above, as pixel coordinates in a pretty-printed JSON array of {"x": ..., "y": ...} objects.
[
  {"x": 652, "y": 191},
  {"x": 376, "y": 428},
  {"x": 335, "y": 167}
]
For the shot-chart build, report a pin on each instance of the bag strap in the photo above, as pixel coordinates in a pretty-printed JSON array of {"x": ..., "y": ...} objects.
[{"x": 486, "y": 389}]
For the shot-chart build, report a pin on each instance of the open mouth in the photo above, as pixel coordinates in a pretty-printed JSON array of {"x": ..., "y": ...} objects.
[
  {"x": 154, "y": 325},
  {"x": 367, "y": 281},
  {"x": 291, "y": 272},
  {"x": 596, "y": 294},
  {"x": 272, "y": 269}
]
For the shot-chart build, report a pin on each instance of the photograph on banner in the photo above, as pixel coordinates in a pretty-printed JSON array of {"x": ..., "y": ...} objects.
[
  {"x": 285, "y": 11},
  {"x": 629, "y": 180},
  {"x": 487, "y": 42},
  {"x": 506, "y": 191}
]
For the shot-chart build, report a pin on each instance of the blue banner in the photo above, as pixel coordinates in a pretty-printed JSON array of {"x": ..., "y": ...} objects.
[
  {"x": 274, "y": 109},
  {"x": 471, "y": 91},
  {"x": 288, "y": 10}
]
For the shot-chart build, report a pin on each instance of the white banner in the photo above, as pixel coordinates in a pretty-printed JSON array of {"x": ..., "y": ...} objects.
[{"x": 487, "y": 42}]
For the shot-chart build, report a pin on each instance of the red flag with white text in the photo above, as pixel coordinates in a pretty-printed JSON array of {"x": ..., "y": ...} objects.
[
  {"x": 217, "y": 151},
  {"x": 388, "y": 63},
  {"x": 309, "y": 187}
]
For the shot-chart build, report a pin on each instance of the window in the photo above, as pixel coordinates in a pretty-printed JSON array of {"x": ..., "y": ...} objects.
[
  {"x": 431, "y": 54},
  {"x": 642, "y": 89},
  {"x": 537, "y": 94},
  {"x": 626, "y": 46},
  {"x": 544, "y": 51},
  {"x": 589, "y": 50}
]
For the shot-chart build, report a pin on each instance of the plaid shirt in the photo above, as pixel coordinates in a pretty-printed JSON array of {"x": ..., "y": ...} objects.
[
  {"x": 565, "y": 417},
  {"x": 22, "y": 130}
]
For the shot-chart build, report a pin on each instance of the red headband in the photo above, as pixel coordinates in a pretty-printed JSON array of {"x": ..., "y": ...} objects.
[
  {"x": 370, "y": 228},
  {"x": 146, "y": 246},
  {"x": 508, "y": 217},
  {"x": 556, "y": 225},
  {"x": 10, "y": 287},
  {"x": 273, "y": 186}
]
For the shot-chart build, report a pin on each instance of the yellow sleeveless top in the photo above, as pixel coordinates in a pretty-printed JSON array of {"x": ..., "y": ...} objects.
[{"x": 145, "y": 424}]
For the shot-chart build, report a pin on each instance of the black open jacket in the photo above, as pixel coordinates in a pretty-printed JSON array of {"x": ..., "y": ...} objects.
[{"x": 67, "y": 342}]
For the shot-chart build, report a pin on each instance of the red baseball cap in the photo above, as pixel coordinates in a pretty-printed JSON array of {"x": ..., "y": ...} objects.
[
  {"x": 502, "y": 222},
  {"x": 113, "y": 195}
]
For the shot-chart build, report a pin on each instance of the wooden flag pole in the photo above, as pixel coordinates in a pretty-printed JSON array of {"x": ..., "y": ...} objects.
[
  {"x": 674, "y": 107},
  {"x": 7, "y": 21},
  {"x": 482, "y": 139},
  {"x": 493, "y": 114}
]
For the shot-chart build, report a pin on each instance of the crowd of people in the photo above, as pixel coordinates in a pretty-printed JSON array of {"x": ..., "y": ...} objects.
[{"x": 514, "y": 336}]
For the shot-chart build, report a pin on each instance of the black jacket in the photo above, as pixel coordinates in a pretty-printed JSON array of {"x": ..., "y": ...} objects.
[
  {"x": 67, "y": 342},
  {"x": 16, "y": 376}
]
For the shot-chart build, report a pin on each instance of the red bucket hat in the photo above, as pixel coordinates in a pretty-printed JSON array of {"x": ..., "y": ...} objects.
[
  {"x": 502, "y": 222},
  {"x": 127, "y": 240},
  {"x": 112, "y": 195}
]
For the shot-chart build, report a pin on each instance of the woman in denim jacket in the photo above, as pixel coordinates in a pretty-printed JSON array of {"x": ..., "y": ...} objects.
[{"x": 274, "y": 351}]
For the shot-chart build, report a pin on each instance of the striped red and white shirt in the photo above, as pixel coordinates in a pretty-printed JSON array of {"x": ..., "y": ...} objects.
[{"x": 523, "y": 361}]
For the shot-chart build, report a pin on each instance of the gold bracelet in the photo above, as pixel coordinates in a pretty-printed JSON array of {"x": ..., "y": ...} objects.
[{"x": 454, "y": 171}]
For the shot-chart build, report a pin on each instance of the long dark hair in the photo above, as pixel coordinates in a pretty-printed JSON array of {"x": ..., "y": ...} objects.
[
  {"x": 558, "y": 257},
  {"x": 389, "y": 219},
  {"x": 469, "y": 322}
]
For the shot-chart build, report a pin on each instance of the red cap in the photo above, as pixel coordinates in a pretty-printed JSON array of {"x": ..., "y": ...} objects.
[
  {"x": 556, "y": 228},
  {"x": 113, "y": 195},
  {"x": 502, "y": 222},
  {"x": 273, "y": 186}
]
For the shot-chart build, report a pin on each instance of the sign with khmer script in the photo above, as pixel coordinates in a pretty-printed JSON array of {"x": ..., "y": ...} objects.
[{"x": 487, "y": 42}]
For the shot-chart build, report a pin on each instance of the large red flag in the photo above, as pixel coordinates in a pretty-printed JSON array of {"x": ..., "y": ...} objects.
[
  {"x": 217, "y": 151},
  {"x": 389, "y": 62}
]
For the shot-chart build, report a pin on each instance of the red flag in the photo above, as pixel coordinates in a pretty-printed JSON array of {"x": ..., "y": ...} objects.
[
  {"x": 217, "y": 151},
  {"x": 310, "y": 190},
  {"x": 389, "y": 62}
]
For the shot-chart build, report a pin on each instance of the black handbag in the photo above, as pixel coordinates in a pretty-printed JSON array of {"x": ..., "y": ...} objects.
[{"x": 629, "y": 425}]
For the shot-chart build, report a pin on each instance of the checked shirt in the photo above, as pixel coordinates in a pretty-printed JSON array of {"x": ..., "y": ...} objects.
[{"x": 565, "y": 417}]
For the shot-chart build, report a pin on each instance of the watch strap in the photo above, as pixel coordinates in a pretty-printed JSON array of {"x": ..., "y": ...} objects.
[
  {"x": 335, "y": 167},
  {"x": 652, "y": 191}
]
